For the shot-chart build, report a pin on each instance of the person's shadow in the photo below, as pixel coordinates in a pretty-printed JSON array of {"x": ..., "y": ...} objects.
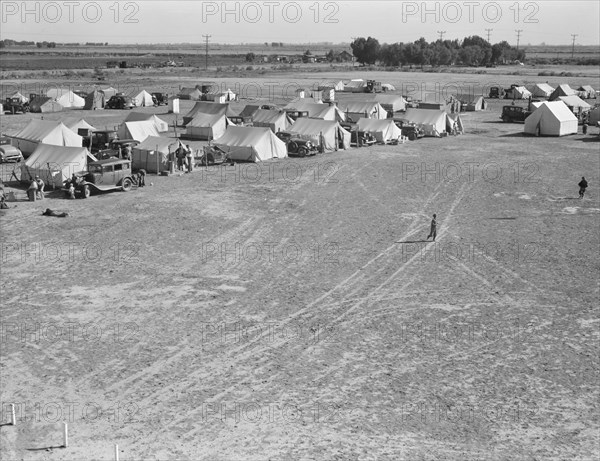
[{"x": 415, "y": 241}]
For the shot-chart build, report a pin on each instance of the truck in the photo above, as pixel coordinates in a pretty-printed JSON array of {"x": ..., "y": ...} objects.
[
  {"x": 514, "y": 114},
  {"x": 373, "y": 87},
  {"x": 14, "y": 105}
]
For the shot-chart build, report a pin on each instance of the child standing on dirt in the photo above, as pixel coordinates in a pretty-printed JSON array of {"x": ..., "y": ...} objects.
[
  {"x": 582, "y": 187},
  {"x": 433, "y": 230}
]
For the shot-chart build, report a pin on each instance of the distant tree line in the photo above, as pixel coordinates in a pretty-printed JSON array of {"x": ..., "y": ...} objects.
[
  {"x": 470, "y": 51},
  {"x": 7, "y": 42}
]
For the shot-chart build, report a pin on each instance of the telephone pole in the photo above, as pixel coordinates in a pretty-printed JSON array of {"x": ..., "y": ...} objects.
[
  {"x": 441, "y": 32},
  {"x": 518, "y": 31},
  {"x": 206, "y": 56},
  {"x": 573, "y": 46},
  {"x": 489, "y": 31}
]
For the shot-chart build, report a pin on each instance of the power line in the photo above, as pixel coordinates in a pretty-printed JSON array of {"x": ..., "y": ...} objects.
[
  {"x": 206, "y": 56},
  {"x": 441, "y": 32},
  {"x": 488, "y": 34},
  {"x": 573, "y": 46},
  {"x": 518, "y": 31}
]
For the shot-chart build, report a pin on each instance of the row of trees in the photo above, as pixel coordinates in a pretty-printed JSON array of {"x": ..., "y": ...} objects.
[{"x": 470, "y": 51}]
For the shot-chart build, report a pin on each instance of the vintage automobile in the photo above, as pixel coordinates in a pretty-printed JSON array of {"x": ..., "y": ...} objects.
[
  {"x": 213, "y": 155},
  {"x": 297, "y": 146},
  {"x": 160, "y": 99},
  {"x": 120, "y": 101},
  {"x": 102, "y": 176},
  {"x": 101, "y": 140},
  {"x": 113, "y": 148},
  {"x": 14, "y": 105},
  {"x": 496, "y": 92},
  {"x": 411, "y": 131},
  {"x": 514, "y": 114},
  {"x": 361, "y": 138}
]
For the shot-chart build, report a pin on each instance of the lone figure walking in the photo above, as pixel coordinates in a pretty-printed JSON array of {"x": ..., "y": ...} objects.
[
  {"x": 433, "y": 230},
  {"x": 582, "y": 187}
]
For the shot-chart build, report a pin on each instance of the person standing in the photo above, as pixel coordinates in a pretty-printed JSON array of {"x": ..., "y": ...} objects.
[
  {"x": 32, "y": 190},
  {"x": 40, "y": 185},
  {"x": 190, "y": 158},
  {"x": 433, "y": 229},
  {"x": 582, "y": 187},
  {"x": 128, "y": 152},
  {"x": 141, "y": 177}
]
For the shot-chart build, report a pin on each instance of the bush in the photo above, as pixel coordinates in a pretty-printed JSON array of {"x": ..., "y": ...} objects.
[{"x": 249, "y": 68}]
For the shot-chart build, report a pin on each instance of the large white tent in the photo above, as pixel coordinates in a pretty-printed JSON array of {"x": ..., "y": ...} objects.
[
  {"x": 207, "y": 126},
  {"x": 551, "y": 119},
  {"x": 562, "y": 90},
  {"x": 575, "y": 103},
  {"x": 251, "y": 144},
  {"x": 391, "y": 102},
  {"x": 274, "y": 119},
  {"x": 153, "y": 154},
  {"x": 143, "y": 99},
  {"x": 363, "y": 109},
  {"x": 383, "y": 130},
  {"x": 66, "y": 98},
  {"x": 46, "y": 132},
  {"x": 75, "y": 124},
  {"x": 542, "y": 90},
  {"x": 519, "y": 92},
  {"x": 55, "y": 164},
  {"x": 329, "y": 132},
  {"x": 587, "y": 92},
  {"x": 137, "y": 130},
  {"x": 356, "y": 85},
  {"x": 160, "y": 124}
]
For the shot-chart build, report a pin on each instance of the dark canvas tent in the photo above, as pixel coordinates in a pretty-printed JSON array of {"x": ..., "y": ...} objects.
[
  {"x": 249, "y": 110},
  {"x": 190, "y": 93},
  {"x": 94, "y": 100},
  {"x": 204, "y": 107},
  {"x": 153, "y": 154},
  {"x": 44, "y": 104},
  {"x": 251, "y": 144},
  {"x": 329, "y": 132}
]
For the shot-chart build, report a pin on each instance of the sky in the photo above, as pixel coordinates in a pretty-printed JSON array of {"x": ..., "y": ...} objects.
[{"x": 138, "y": 22}]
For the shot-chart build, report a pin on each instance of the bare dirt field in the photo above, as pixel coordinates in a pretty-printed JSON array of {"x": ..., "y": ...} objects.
[{"x": 295, "y": 310}]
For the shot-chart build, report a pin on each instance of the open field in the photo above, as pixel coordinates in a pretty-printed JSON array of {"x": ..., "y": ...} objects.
[{"x": 293, "y": 309}]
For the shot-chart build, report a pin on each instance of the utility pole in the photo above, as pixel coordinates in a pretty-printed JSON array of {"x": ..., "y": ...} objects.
[
  {"x": 441, "y": 32},
  {"x": 489, "y": 31},
  {"x": 518, "y": 31},
  {"x": 206, "y": 56},
  {"x": 573, "y": 46}
]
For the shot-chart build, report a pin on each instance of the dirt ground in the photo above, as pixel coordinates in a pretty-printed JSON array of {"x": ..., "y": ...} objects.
[{"x": 295, "y": 310}]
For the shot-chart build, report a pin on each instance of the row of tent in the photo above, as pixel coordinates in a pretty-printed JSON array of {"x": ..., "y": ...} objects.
[
  {"x": 544, "y": 90},
  {"x": 57, "y": 99}
]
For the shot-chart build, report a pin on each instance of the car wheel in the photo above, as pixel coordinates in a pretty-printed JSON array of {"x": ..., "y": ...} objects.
[
  {"x": 292, "y": 147},
  {"x": 302, "y": 151},
  {"x": 127, "y": 184},
  {"x": 86, "y": 192},
  {"x": 412, "y": 136},
  {"x": 505, "y": 118}
]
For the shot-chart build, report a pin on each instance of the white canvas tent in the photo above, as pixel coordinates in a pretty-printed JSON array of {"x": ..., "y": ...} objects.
[
  {"x": 473, "y": 103},
  {"x": 551, "y": 119},
  {"x": 391, "y": 102},
  {"x": 46, "y": 132},
  {"x": 160, "y": 124},
  {"x": 562, "y": 90},
  {"x": 66, "y": 98},
  {"x": 109, "y": 92},
  {"x": 575, "y": 103},
  {"x": 332, "y": 85},
  {"x": 205, "y": 107},
  {"x": 21, "y": 97},
  {"x": 383, "y": 130},
  {"x": 75, "y": 124},
  {"x": 251, "y": 144},
  {"x": 274, "y": 119},
  {"x": 207, "y": 126},
  {"x": 519, "y": 92},
  {"x": 153, "y": 154},
  {"x": 143, "y": 99},
  {"x": 433, "y": 122},
  {"x": 363, "y": 109},
  {"x": 137, "y": 130},
  {"x": 587, "y": 92},
  {"x": 55, "y": 164},
  {"x": 329, "y": 132},
  {"x": 542, "y": 90},
  {"x": 355, "y": 86}
]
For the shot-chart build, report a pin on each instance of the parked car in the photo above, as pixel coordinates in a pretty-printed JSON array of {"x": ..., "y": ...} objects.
[
  {"x": 10, "y": 153},
  {"x": 101, "y": 140},
  {"x": 14, "y": 105},
  {"x": 496, "y": 92},
  {"x": 103, "y": 176},
  {"x": 362, "y": 138},
  {"x": 160, "y": 98},
  {"x": 297, "y": 146},
  {"x": 514, "y": 114},
  {"x": 113, "y": 148},
  {"x": 120, "y": 102},
  {"x": 213, "y": 155},
  {"x": 411, "y": 131}
]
